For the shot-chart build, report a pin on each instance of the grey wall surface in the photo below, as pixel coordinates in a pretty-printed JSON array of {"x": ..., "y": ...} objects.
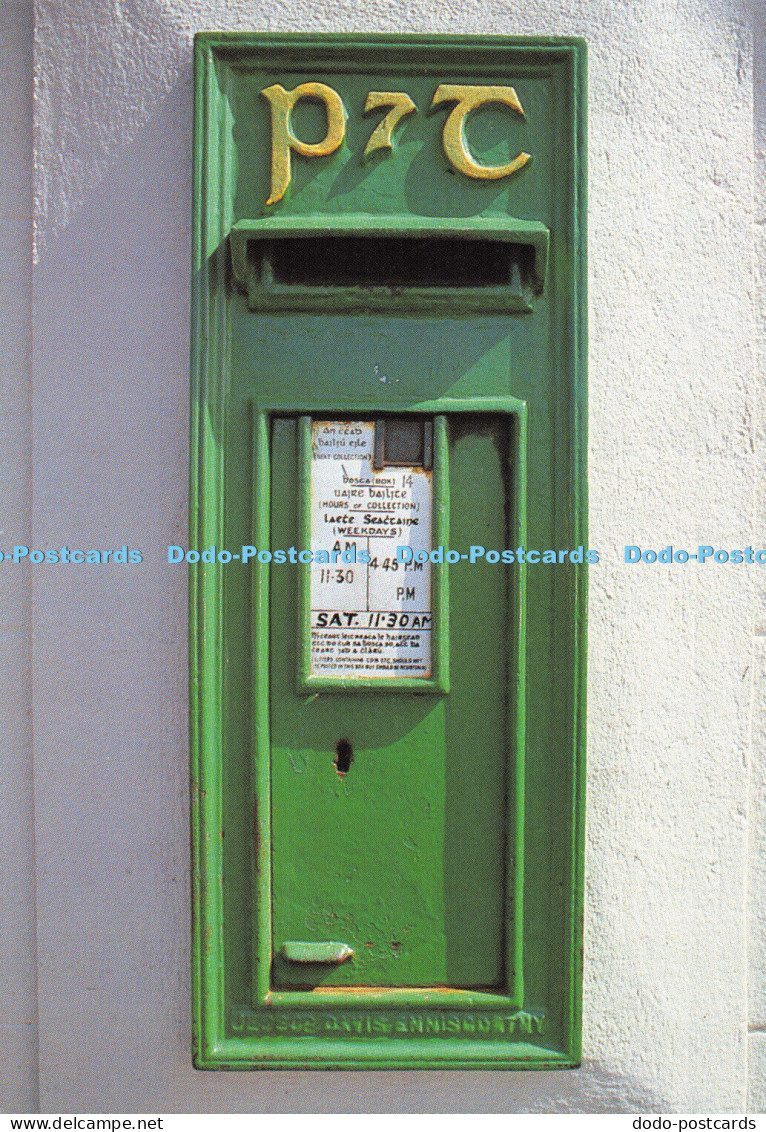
[
  {"x": 18, "y": 1002},
  {"x": 676, "y": 795}
]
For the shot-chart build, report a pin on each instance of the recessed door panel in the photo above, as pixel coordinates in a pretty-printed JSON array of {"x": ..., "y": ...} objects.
[{"x": 389, "y": 826}]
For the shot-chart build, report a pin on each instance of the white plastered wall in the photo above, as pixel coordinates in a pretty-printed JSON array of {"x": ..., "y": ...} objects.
[
  {"x": 757, "y": 809},
  {"x": 675, "y": 456}
]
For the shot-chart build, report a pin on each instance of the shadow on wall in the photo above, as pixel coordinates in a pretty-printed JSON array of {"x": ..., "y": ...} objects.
[{"x": 590, "y": 1089}]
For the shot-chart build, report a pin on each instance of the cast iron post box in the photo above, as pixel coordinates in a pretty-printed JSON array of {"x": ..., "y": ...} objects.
[{"x": 387, "y": 623}]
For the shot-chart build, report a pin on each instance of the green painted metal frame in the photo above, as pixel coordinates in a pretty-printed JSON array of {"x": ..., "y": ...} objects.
[{"x": 228, "y": 1035}]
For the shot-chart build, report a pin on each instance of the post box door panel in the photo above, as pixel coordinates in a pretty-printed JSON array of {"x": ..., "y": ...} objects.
[{"x": 401, "y": 855}]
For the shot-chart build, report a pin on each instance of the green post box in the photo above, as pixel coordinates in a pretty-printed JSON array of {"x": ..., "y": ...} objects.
[{"x": 388, "y": 497}]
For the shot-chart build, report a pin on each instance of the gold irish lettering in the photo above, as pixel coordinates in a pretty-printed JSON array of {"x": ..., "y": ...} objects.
[
  {"x": 468, "y": 98},
  {"x": 401, "y": 105},
  {"x": 283, "y": 140}
]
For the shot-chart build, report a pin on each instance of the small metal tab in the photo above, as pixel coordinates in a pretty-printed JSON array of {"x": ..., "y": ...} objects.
[{"x": 300, "y": 951}]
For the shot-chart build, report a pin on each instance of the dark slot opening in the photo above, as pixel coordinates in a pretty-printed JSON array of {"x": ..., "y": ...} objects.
[
  {"x": 403, "y": 442},
  {"x": 350, "y": 261},
  {"x": 344, "y": 754}
]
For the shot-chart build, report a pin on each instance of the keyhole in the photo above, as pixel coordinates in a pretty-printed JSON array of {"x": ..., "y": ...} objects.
[{"x": 344, "y": 753}]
